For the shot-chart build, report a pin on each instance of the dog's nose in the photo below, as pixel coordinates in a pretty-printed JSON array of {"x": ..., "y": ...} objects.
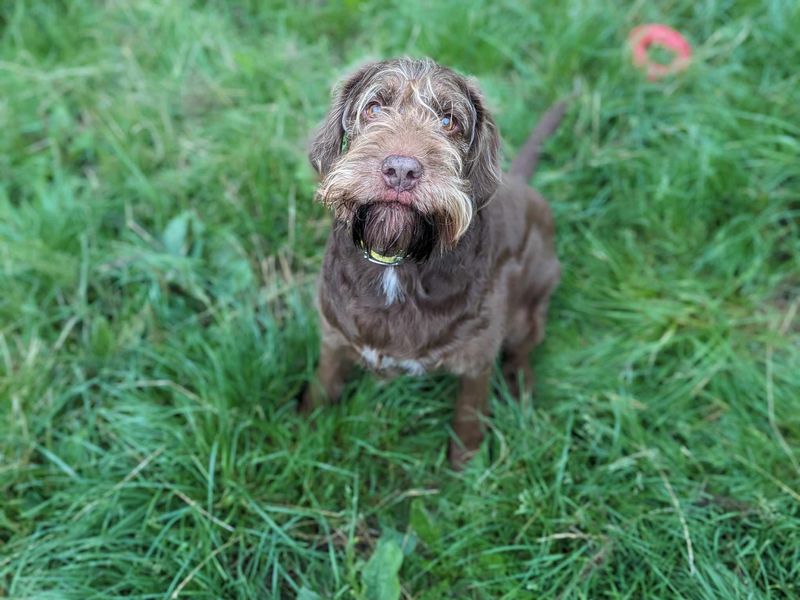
[{"x": 401, "y": 172}]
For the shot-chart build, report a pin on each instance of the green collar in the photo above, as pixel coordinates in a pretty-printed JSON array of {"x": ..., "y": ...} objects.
[{"x": 380, "y": 259}]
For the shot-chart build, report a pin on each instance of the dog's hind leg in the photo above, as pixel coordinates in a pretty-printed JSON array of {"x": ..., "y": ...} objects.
[{"x": 527, "y": 333}]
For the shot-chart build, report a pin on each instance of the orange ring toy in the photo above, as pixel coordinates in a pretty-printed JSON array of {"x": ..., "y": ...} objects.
[{"x": 644, "y": 36}]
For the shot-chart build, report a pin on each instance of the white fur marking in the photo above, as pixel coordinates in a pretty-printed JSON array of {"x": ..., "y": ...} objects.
[
  {"x": 391, "y": 286},
  {"x": 377, "y": 361},
  {"x": 370, "y": 356},
  {"x": 412, "y": 367}
]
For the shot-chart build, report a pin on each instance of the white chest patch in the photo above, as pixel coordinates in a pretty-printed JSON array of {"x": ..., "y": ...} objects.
[
  {"x": 392, "y": 288},
  {"x": 378, "y": 361},
  {"x": 370, "y": 356}
]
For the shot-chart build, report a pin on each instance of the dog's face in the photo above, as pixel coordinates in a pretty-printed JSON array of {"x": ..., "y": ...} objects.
[{"x": 406, "y": 155}]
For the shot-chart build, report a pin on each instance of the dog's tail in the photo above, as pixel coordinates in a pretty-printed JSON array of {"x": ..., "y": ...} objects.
[{"x": 525, "y": 163}]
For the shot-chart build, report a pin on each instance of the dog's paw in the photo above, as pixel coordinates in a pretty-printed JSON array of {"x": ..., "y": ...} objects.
[
  {"x": 519, "y": 380},
  {"x": 459, "y": 456}
]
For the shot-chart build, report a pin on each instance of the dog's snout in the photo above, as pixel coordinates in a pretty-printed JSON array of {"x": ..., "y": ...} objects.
[{"x": 401, "y": 172}]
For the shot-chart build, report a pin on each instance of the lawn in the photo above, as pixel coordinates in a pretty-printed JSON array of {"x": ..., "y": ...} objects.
[{"x": 158, "y": 250}]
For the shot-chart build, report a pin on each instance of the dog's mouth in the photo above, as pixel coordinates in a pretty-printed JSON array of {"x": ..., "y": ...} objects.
[
  {"x": 395, "y": 230},
  {"x": 403, "y": 197}
]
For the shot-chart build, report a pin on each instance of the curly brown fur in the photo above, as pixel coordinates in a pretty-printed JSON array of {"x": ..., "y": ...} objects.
[{"x": 479, "y": 265}]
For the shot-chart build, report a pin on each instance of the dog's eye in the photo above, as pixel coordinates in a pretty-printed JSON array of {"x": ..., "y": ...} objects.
[
  {"x": 373, "y": 110},
  {"x": 449, "y": 123}
]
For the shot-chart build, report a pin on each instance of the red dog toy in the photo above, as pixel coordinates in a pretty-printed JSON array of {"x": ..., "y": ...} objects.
[{"x": 644, "y": 36}]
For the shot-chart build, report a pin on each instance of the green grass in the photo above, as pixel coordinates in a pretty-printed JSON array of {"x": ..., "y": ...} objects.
[{"x": 158, "y": 246}]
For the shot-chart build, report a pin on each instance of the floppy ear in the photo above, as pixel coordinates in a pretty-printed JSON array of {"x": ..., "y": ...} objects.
[
  {"x": 483, "y": 157},
  {"x": 327, "y": 143}
]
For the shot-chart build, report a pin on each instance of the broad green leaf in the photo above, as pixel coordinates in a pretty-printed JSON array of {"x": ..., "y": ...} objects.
[
  {"x": 380, "y": 573},
  {"x": 176, "y": 234},
  {"x": 307, "y": 594}
]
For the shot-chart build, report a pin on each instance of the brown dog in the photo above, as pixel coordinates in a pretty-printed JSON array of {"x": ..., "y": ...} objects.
[{"x": 436, "y": 260}]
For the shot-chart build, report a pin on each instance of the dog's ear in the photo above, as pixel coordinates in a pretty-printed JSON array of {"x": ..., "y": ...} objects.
[
  {"x": 329, "y": 142},
  {"x": 483, "y": 157}
]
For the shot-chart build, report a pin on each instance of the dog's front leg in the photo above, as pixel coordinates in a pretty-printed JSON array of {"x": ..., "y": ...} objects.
[
  {"x": 334, "y": 366},
  {"x": 472, "y": 405}
]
